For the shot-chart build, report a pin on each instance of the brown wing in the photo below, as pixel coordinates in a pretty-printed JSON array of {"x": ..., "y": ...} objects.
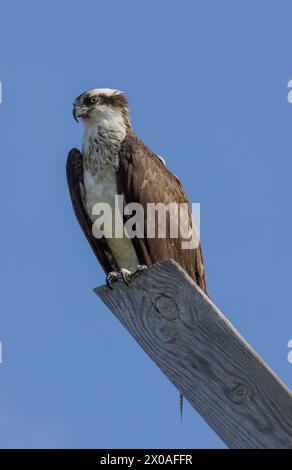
[
  {"x": 143, "y": 178},
  {"x": 74, "y": 170}
]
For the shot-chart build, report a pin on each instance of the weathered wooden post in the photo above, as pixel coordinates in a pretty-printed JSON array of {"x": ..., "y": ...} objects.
[{"x": 197, "y": 348}]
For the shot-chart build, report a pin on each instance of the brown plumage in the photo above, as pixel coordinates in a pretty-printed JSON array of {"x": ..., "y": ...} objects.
[
  {"x": 74, "y": 170},
  {"x": 142, "y": 178}
]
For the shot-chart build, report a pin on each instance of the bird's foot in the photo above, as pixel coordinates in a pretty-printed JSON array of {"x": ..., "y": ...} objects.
[
  {"x": 123, "y": 274},
  {"x": 111, "y": 277},
  {"x": 139, "y": 268},
  {"x": 114, "y": 276}
]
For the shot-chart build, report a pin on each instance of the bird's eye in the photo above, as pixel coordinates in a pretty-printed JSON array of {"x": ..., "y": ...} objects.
[{"x": 93, "y": 99}]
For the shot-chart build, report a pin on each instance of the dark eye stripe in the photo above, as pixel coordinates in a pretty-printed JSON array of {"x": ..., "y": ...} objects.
[{"x": 87, "y": 101}]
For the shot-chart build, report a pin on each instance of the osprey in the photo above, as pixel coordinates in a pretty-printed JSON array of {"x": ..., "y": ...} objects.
[{"x": 115, "y": 162}]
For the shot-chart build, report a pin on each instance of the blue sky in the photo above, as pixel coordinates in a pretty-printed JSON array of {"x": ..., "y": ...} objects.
[{"x": 207, "y": 85}]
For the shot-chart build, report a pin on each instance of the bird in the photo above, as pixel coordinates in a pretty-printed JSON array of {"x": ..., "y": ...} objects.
[{"x": 114, "y": 161}]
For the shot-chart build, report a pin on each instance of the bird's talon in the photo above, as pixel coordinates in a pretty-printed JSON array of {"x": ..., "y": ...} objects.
[
  {"x": 125, "y": 275},
  {"x": 139, "y": 268},
  {"x": 112, "y": 276}
]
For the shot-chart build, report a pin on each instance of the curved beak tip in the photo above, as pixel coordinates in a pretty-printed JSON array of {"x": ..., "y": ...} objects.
[{"x": 74, "y": 115}]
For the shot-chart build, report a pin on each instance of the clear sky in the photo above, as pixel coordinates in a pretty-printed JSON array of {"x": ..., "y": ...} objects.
[{"x": 207, "y": 85}]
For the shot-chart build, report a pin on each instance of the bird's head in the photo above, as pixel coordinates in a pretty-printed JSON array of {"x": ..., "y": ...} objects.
[{"x": 101, "y": 104}]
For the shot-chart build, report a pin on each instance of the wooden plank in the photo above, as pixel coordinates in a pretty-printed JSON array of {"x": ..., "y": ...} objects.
[{"x": 196, "y": 347}]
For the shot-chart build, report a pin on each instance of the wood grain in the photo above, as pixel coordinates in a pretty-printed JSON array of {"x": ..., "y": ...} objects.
[{"x": 208, "y": 361}]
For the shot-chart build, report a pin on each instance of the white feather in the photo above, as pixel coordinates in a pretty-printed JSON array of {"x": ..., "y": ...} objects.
[{"x": 101, "y": 160}]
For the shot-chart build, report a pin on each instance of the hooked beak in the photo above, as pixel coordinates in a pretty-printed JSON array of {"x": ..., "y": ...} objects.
[
  {"x": 75, "y": 113},
  {"x": 80, "y": 111}
]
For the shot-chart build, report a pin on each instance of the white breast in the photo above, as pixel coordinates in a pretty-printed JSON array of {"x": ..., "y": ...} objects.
[
  {"x": 100, "y": 186},
  {"x": 103, "y": 188}
]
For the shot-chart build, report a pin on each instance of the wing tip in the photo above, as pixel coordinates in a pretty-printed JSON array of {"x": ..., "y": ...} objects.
[{"x": 74, "y": 152}]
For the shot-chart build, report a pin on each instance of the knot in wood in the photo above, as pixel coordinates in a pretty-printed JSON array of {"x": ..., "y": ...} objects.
[
  {"x": 239, "y": 393},
  {"x": 166, "y": 306}
]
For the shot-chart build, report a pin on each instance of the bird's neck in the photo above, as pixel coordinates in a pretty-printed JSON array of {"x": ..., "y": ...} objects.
[{"x": 102, "y": 141}]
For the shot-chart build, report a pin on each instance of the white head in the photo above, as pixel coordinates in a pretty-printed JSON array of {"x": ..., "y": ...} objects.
[{"x": 101, "y": 104}]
